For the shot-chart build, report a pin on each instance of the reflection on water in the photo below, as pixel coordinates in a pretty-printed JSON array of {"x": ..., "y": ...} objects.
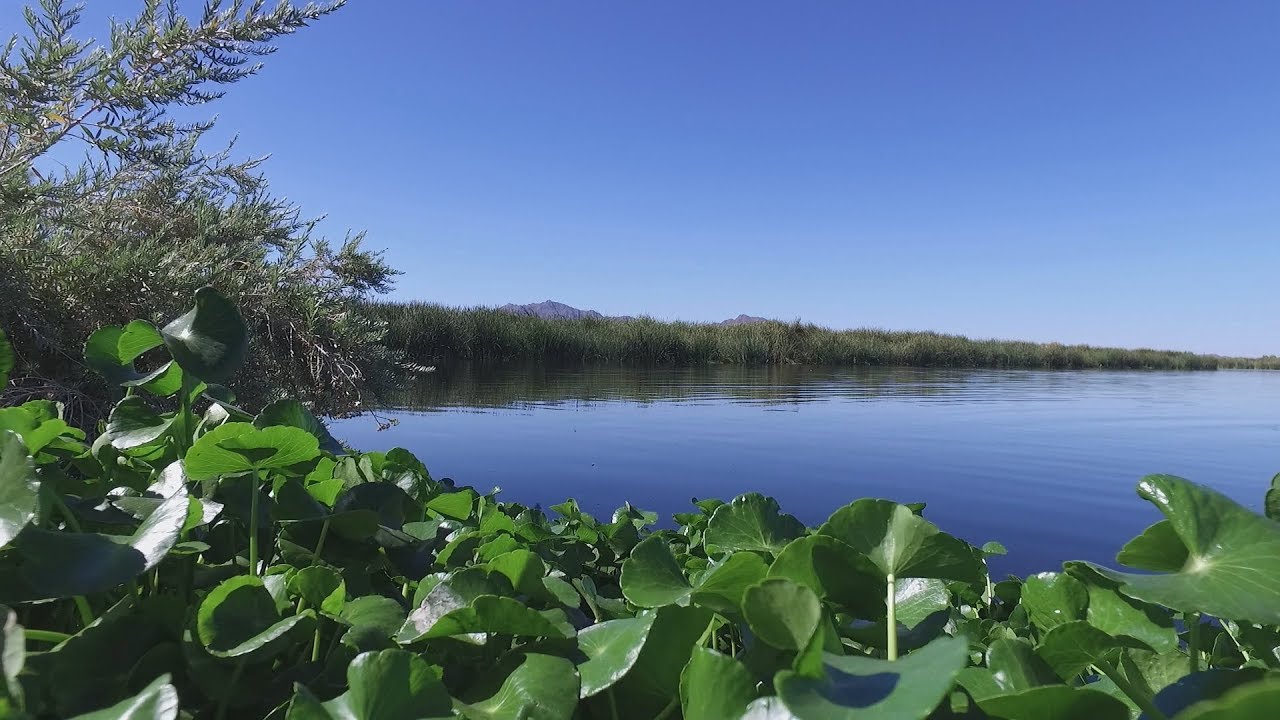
[
  {"x": 506, "y": 387},
  {"x": 1045, "y": 462}
]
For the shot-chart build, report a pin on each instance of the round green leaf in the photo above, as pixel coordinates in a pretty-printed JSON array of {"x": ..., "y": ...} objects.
[
  {"x": 714, "y": 686},
  {"x": 391, "y": 685},
  {"x": 611, "y": 648},
  {"x": 19, "y": 487},
  {"x": 321, "y": 588},
  {"x": 65, "y": 564},
  {"x": 133, "y": 423},
  {"x": 752, "y": 522},
  {"x": 901, "y": 543},
  {"x": 1070, "y": 648},
  {"x": 1232, "y": 570},
  {"x": 1052, "y": 599},
  {"x": 1055, "y": 702},
  {"x": 292, "y": 413},
  {"x": 538, "y": 687},
  {"x": 721, "y": 587},
  {"x": 1016, "y": 666},
  {"x": 1254, "y": 701},
  {"x": 157, "y": 701},
  {"x": 782, "y": 613},
  {"x": 1158, "y": 548},
  {"x": 834, "y": 571},
  {"x": 652, "y": 578},
  {"x": 239, "y": 617},
  {"x": 861, "y": 687},
  {"x": 233, "y": 448},
  {"x": 211, "y": 340},
  {"x": 110, "y": 351}
]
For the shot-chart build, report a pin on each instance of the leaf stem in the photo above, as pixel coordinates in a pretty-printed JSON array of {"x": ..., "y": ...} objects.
[
  {"x": 1226, "y": 625},
  {"x": 671, "y": 706},
  {"x": 891, "y": 619},
  {"x": 1193, "y": 640},
  {"x": 253, "y": 525},
  {"x": 324, "y": 534},
  {"x": 315, "y": 642},
  {"x": 66, "y": 513},
  {"x": 1141, "y": 699},
  {"x": 48, "y": 636},
  {"x": 226, "y": 697}
]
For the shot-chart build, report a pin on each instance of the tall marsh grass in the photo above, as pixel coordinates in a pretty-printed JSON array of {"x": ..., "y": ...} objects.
[{"x": 429, "y": 333}]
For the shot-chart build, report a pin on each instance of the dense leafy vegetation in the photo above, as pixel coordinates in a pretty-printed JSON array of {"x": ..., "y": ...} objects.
[
  {"x": 198, "y": 561},
  {"x": 430, "y": 333},
  {"x": 111, "y": 207}
]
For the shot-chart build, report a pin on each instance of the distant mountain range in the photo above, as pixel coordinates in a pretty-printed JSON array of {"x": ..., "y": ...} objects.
[{"x": 552, "y": 310}]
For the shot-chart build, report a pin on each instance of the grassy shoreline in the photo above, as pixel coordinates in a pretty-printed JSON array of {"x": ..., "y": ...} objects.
[{"x": 435, "y": 334}]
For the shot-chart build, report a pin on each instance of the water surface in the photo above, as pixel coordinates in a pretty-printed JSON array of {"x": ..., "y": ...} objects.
[{"x": 1045, "y": 462}]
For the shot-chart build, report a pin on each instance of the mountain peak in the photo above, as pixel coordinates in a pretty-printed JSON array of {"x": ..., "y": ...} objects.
[{"x": 553, "y": 310}]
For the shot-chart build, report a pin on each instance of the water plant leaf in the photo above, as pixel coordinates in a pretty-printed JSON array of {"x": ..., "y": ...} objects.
[
  {"x": 1232, "y": 569},
  {"x": 769, "y": 707},
  {"x": 722, "y": 585},
  {"x": 1271, "y": 504},
  {"x": 654, "y": 679},
  {"x": 1055, "y": 702},
  {"x": 652, "y": 578},
  {"x": 485, "y": 614},
  {"x": 233, "y": 448},
  {"x": 211, "y": 340},
  {"x": 1117, "y": 615},
  {"x": 110, "y": 351},
  {"x": 1052, "y": 599},
  {"x": 239, "y": 617},
  {"x": 389, "y": 684},
  {"x": 539, "y": 687},
  {"x": 1254, "y": 701},
  {"x": 373, "y": 619},
  {"x": 752, "y": 522},
  {"x": 19, "y": 487},
  {"x": 1015, "y": 666},
  {"x": 860, "y": 687},
  {"x": 714, "y": 686},
  {"x": 133, "y": 423},
  {"x": 901, "y": 543},
  {"x": 782, "y": 613},
  {"x": 919, "y": 598},
  {"x": 65, "y": 564},
  {"x": 1072, "y": 647},
  {"x": 1200, "y": 686},
  {"x": 833, "y": 570},
  {"x": 321, "y": 588},
  {"x": 611, "y": 648},
  {"x": 291, "y": 413},
  {"x": 157, "y": 701},
  {"x": 1158, "y": 548}
]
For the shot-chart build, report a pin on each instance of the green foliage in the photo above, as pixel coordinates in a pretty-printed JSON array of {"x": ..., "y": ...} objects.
[
  {"x": 193, "y": 563},
  {"x": 430, "y": 333},
  {"x": 148, "y": 215}
]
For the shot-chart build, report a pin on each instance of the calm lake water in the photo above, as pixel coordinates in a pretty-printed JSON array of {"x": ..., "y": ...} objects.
[{"x": 1045, "y": 462}]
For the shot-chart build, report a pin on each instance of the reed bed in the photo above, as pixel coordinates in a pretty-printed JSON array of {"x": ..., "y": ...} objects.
[{"x": 435, "y": 334}]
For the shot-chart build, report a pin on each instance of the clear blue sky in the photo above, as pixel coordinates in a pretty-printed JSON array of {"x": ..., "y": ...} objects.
[{"x": 1096, "y": 172}]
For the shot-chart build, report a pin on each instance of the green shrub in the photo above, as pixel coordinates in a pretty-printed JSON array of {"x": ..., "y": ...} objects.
[
  {"x": 148, "y": 216},
  {"x": 429, "y": 333}
]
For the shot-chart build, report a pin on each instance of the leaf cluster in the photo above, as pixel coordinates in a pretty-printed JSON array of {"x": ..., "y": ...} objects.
[{"x": 201, "y": 561}]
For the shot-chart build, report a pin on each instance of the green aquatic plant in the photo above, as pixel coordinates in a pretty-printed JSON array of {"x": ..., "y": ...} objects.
[
  {"x": 198, "y": 561},
  {"x": 430, "y": 334}
]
